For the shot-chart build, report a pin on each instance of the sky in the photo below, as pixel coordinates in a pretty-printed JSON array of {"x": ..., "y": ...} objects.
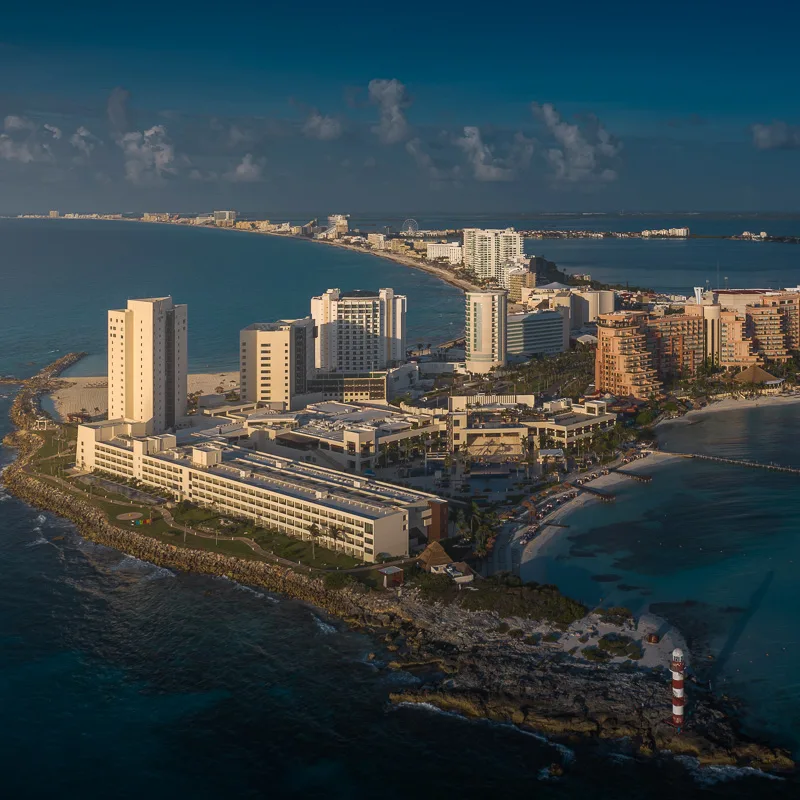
[{"x": 281, "y": 108}]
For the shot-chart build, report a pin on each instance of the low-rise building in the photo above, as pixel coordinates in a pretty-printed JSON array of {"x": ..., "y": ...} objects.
[
  {"x": 573, "y": 424},
  {"x": 488, "y": 427},
  {"x": 364, "y": 517},
  {"x": 349, "y": 436},
  {"x": 452, "y": 252}
]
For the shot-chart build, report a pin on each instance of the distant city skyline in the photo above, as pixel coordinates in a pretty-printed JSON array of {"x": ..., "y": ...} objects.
[{"x": 364, "y": 107}]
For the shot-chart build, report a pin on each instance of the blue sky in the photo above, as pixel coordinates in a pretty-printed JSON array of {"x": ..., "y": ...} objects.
[{"x": 360, "y": 106}]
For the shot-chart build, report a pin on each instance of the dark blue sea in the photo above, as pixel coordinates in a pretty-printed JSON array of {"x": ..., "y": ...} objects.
[{"x": 119, "y": 679}]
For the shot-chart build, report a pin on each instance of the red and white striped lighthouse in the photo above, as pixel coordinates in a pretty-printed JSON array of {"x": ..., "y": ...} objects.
[{"x": 678, "y": 699}]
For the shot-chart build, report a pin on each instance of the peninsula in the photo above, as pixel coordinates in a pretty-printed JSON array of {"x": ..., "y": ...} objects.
[{"x": 500, "y": 653}]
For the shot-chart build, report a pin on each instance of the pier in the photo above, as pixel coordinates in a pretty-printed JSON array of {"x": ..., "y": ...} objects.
[
  {"x": 637, "y": 476},
  {"x": 740, "y": 462},
  {"x": 606, "y": 497}
]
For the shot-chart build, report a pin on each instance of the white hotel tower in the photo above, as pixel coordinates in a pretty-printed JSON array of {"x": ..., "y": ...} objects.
[
  {"x": 147, "y": 363},
  {"x": 359, "y": 331},
  {"x": 486, "y": 250},
  {"x": 485, "y": 331}
]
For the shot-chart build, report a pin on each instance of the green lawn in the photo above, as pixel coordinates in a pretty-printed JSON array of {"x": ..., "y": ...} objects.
[
  {"x": 172, "y": 536},
  {"x": 298, "y": 550}
]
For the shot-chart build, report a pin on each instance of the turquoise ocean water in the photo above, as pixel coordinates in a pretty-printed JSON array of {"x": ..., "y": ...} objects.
[
  {"x": 713, "y": 548},
  {"x": 118, "y": 679}
]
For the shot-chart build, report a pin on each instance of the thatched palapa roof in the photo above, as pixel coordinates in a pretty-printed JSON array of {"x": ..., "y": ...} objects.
[{"x": 755, "y": 374}]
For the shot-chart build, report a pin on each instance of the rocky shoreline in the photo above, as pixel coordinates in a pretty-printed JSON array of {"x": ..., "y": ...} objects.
[{"x": 471, "y": 663}]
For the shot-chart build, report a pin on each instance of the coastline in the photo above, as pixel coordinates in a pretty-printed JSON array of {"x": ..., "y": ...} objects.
[
  {"x": 415, "y": 263},
  {"x": 475, "y": 666},
  {"x": 731, "y": 404},
  {"x": 561, "y": 514}
]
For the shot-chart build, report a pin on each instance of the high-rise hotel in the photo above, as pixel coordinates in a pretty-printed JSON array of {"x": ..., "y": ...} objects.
[
  {"x": 147, "y": 363},
  {"x": 276, "y": 360},
  {"x": 487, "y": 250},
  {"x": 359, "y": 331},
  {"x": 485, "y": 331}
]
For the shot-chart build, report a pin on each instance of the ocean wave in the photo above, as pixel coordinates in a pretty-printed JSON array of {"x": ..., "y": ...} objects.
[
  {"x": 432, "y": 709},
  {"x": 323, "y": 627},
  {"x": 546, "y": 775},
  {"x": 151, "y": 571},
  {"x": 567, "y": 754},
  {"x": 240, "y": 587},
  {"x": 398, "y": 676},
  {"x": 41, "y": 519},
  {"x": 711, "y": 775},
  {"x": 40, "y": 539}
]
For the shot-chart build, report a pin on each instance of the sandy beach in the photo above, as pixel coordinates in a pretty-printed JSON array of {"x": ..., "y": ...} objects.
[
  {"x": 733, "y": 404},
  {"x": 90, "y": 394},
  {"x": 560, "y": 514}
]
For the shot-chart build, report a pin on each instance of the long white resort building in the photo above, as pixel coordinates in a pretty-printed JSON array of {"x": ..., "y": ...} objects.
[
  {"x": 147, "y": 363},
  {"x": 364, "y": 517}
]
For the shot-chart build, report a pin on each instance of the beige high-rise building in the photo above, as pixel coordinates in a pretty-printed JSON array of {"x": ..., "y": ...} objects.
[
  {"x": 724, "y": 339},
  {"x": 485, "y": 330},
  {"x": 147, "y": 363},
  {"x": 276, "y": 359},
  {"x": 485, "y": 250},
  {"x": 519, "y": 279},
  {"x": 359, "y": 331},
  {"x": 623, "y": 365}
]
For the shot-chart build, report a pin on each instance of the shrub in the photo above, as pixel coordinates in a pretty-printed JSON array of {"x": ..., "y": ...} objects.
[
  {"x": 433, "y": 586},
  {"x": 595, "y": 654},
  {"x": 337, "y": 580},
  {"x": 553, "y": 636},
  {"x": 516, "y": 633},
  {"x": 620, "y": 646},
  {"x": 507, "y": 598},
  {"x": 503, "y": 627},
  {"x": 617, "y": 615}
]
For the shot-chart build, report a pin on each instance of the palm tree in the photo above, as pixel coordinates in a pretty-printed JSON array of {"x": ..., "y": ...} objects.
[
  {"x": 314, "y": 532},
  {"x": 335, "y": 534}
]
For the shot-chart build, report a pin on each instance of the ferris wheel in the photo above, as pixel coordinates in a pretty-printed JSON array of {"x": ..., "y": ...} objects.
[{"x": 410, "y": 226}]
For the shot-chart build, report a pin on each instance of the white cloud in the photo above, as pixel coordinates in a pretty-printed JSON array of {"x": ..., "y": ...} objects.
[
  {"x": 485, "y": 167},
  {"x": 149, "y": 155},
  {"x": 22, "y": 142},
  {"x": 391, "y": 98},
  {"x": 15, "y": 123},
  {"x": 84, "y": 141},
  {"x": 249, "y": 170},
  {"x": 322, "y": 127},
  {"x": 776, "y": 136},
  {"x": 53, "y": 130},
  {"x": 581, "y": 155}
]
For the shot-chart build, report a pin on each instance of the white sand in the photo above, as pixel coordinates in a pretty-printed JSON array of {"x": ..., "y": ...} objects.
[
  {"x": 591, "y": 628},
  {"x": 733, "y": 404},
  {"x": 91, "y": 394},
  {"x": 604, "y": 482}
]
